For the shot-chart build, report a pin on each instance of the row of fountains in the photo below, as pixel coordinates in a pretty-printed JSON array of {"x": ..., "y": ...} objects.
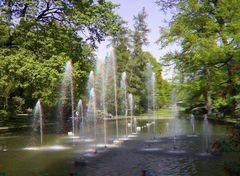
[
  {"x": 103, "y": 97},
  {"x": 102, "y": 91}
]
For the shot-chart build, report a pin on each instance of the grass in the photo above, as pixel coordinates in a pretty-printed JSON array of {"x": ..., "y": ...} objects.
[{"x": 163, "y": 112}]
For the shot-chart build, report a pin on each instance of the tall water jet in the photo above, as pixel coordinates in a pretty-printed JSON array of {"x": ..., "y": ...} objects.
[
  {"x": 174, "y": 122},
  {"x": 67, "y": 82},
  {"x": 130, "y": 102},
  {"x": 150, "y": 84},
  {"x": 153, "y": 100},
  {"x": 69, "y": 72},
  {"x": 206, "y": 133},
  {"x": 91, "y": 81},
  {"x": 91, "y": 99},
  {"x": 192, "y": 120},
  {"x": 80, "y": 116},
  {"x": 38, "y": 120},
  {"x": 101, "y": 71},
  {"x": 113, "y": 59},
  {"x": 124, "y": 93},
  {"x": 174, "y": 114},
  {"x": 92, "y": 113}
]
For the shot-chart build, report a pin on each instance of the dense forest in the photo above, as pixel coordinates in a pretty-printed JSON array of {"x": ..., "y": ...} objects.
[{"x": 39, "y": 37}]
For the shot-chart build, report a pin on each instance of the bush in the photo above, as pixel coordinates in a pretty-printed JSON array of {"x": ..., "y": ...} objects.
[
  {"x": 18, "y": 102},
  {"x": 3, "y": 114},
  {"x": 229, "y": 145}
]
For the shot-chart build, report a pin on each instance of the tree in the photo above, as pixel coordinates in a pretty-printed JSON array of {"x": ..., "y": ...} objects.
[
  {"x": 140, "y": 32},
  {"x": 132, "y": 59},
  {"x": 136, "y": 67},
  {"x": 162, "y": 87},
  {"x": 208, "y": 34},
  {"x": 121, "y": 44},
  {"x": 38, "y": 37}
]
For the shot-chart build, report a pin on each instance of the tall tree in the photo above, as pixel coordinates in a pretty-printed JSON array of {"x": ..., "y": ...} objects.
[
  {"x": 136, "y": 67},
  {"x": 140, "y": 32},
  {"x": 121, "y": 43},
  {"x": 209, "y": 35},
  {"x": 162, "y": 87}
]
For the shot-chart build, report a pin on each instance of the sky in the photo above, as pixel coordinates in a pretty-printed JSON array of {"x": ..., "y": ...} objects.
[{"x": 155, "y": 19}]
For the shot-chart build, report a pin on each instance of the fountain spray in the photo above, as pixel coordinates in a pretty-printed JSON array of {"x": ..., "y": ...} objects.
[
  {"x": 112, "y": 56},
  {"x": 130, "y": 100},
  {"x": 38, "y": 119},
  {"x": 80, "y": 114},
  {"x": 101, "y": 70},
  {"x": 124, "y": 91}
]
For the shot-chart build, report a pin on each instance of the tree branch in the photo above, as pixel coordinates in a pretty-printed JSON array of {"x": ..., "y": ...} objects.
[{"x": 42, "y": 14}]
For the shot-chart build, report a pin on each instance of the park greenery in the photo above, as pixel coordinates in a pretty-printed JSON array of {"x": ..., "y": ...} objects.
[
  {"x": 38, "y": 37},
  {"x": 132, "y": 59},
  {"x": 207, "y": 65}
]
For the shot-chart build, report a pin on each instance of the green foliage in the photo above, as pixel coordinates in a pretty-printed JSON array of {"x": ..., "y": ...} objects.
[
  {"x": 38, "y": 37},
  {"x": 132, "y": 59},
  {"x": 136, "y": 67},
  {"x": 230, "y": 145},
  {"x": 208, "y": 63},
  {"x": 4, "y": 114},
  {"x": 18, "y": 102},
  {"x": 141, "y": 30},
  {"x": 163, "y": 87}
]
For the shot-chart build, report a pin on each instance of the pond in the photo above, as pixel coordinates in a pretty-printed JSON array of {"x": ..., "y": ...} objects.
[{"x": 166, "y": 148}]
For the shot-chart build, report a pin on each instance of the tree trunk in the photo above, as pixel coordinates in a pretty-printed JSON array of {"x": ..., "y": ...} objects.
[
  {"x": 6, "y": 103},
  {"x": 208, "y": 101},
  {"x": 207, "y": 95}
]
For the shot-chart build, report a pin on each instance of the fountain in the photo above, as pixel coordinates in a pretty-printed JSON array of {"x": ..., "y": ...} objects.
[
  {"x": 150, "y": 84},
  {"x": 153, "y": 101},
  {"x": 38, "y": 120},
  {"x": 149, "y": 88},
  {"x": 38, "y": 123},
  {"x": 90, "y": 86},
  {"x": 91, "y": 110},
  {"x": 67, "y": 82},
  {"x": 174, "y": 122},
  {"x": 97, "y": 89},
  {"x": 130, "y": 101},
  {"x": 101, "y": 71},
  {"x": 174, "y": 115},
  {"x": 206, "y": 134},
  {"x": 92, "y": 114},
  {"x": 91, "y": 81},
  {"x": 80, "y": 116},
  {"x": 124, "y": 93},
  {"x": 114, "y": 72},
  {"x": 192, "y": 121}
]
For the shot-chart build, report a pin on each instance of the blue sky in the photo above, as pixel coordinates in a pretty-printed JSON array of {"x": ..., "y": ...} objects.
[{"x": 155, "y": 19}]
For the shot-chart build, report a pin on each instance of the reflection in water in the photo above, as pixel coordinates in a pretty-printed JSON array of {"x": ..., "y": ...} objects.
[
  {"x": 139, "y": 151},
  {"x": 206, "y": 134},
  {"x": 47, "y": 148},
  {"x": 193, "y": 123}
]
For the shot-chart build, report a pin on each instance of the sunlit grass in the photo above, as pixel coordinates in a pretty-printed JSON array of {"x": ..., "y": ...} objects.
[{"x": 163, "y": 112}]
